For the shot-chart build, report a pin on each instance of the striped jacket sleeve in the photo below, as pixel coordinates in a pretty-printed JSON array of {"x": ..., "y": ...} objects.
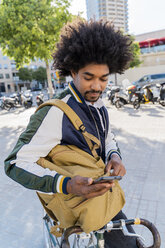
[
  {"x": 111, "y": 145},
  {"x": 43, "y": 132}
]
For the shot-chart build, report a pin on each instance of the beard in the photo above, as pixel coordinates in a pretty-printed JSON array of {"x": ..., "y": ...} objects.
[{"x": 92, "y": 95}]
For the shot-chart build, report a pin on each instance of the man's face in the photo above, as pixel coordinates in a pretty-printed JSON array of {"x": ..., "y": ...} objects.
[{"x": 91, "y": 81}]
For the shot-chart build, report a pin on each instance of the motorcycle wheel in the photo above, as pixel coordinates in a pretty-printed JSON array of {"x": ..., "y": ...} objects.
[
  {"x": 7, "y": 107},
  {"x": 39, "y": 103},
  {"x": 136, "y": 104},
  {"x": 118, "y": 104},
  {"x": 27, "y": 105},
  {"x": 111, "y": 99},
  {"x": 162, "y": 103},
  {"x": 2, "y": 106}
]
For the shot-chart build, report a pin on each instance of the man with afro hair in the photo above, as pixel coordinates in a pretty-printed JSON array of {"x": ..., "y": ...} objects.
[{"x": 88, "y": 52}]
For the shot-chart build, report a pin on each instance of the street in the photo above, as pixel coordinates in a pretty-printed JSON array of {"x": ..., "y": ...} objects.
[{"x": 141, "y": 137}]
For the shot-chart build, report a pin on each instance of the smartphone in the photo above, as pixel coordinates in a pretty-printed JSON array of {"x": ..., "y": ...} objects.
[{"x": 106, "y": 179}]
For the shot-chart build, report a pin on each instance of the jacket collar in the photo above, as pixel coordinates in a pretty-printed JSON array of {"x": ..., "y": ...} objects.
[{"x": 76, "y": 93}]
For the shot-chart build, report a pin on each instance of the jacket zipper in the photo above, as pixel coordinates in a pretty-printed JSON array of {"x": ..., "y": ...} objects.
[
  {"x": 96, "y": 128},
  {"x": 106, "y": 129}
]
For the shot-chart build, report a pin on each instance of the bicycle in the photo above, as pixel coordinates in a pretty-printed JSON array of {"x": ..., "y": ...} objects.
[{"x": 95, "y": 239}]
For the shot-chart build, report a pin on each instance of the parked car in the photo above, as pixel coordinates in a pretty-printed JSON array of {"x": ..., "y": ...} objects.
[
  {"x": 150, "y": 79},
  {"x": 36, "y": 89}
]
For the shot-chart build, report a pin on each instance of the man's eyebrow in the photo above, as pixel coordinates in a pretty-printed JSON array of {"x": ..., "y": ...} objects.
[
  {"x": 88, "y": 73},
  {"x": 105, "y": 75},
  {"x": 91, "y": 74}
]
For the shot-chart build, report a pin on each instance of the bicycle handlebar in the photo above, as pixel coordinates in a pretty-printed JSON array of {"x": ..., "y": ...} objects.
[
  {"x": 118, "y": 224},
  {"x": 155, "y": 234},
  {"x": 69, "y": 231}
]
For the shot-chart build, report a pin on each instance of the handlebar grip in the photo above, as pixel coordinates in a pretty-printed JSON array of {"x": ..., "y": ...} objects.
[{"x": 155, "y": 233}]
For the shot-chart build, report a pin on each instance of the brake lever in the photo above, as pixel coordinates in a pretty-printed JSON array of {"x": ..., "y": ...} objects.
[{"x": 126, "y": 233}]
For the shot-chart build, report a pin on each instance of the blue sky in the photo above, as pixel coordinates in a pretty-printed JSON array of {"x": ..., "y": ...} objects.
[{"x": 144, "y": 15}]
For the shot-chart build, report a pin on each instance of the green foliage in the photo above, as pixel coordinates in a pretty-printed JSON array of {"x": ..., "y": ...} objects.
[
  {"x": 136, "y": 54},
  {"x": 25, "y": 74},
  {"x": 40, "y": 75},
  {"x": 30, "y": 28}
]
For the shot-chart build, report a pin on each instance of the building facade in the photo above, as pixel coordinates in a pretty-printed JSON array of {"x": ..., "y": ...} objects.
[
  {"x": 152, "y": 57},
  {"x": 111, "y": 10},
  {"x": 6, "y": 76},
  {"x": 9, "y": 80}
]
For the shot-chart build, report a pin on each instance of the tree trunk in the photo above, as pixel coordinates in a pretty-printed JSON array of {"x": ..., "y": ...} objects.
[
  {"x": 115, "y": 78},
  {"x": 50, "y": 86}
]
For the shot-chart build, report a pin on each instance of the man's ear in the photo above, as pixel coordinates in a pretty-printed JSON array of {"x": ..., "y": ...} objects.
[{"x": 73, "y": 74}]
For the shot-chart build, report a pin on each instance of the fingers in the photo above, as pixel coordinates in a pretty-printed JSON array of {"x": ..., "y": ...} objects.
[
  {"x": 82, "y": 186},
  {"x": 108, "y": 167},
  {"x": 116, "y": 164},
  {"x": 119, "y": 171},
  {"x": 104, "y": 188}
]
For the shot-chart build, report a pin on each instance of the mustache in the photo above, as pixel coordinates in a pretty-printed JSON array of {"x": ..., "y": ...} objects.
[{"x": 93, "y": 91}]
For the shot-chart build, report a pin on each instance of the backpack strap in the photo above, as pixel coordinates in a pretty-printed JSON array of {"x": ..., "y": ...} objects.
[{"x": 76, "y": 121}]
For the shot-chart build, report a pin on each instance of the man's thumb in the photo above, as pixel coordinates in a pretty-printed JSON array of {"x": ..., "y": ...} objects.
[
  {"x": 108, "y": 167},
  {"x": 90, "y": 180}
]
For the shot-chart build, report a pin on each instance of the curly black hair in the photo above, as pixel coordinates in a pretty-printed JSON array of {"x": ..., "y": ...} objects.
[{"x": 84, "y": 42}]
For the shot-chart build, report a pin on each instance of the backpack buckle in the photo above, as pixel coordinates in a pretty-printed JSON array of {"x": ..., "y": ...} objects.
[{"x": 82, "y": 128}]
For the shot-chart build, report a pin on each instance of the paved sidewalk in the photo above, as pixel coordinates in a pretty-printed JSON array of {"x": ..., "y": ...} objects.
[
  {"x": 20, "y": 211},
  {"x": 141, "y": 137}
]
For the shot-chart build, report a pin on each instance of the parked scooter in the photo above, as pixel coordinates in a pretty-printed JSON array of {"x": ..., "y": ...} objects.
[
  {"x": 161, "y": 99},
  {"x": 10, "y": 102},
  {"x": 40, "y": 99},
  {"x": 27, "y": 99},
  {"x": 127, "y": 96},
  {"x": 111, "y": 93},
  {"x": 145, "y": 95}
]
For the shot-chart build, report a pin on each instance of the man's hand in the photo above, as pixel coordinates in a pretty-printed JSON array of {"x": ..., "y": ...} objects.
[
  {"x": 116, "y": 164},
  {"x": 82, "y": 186}
]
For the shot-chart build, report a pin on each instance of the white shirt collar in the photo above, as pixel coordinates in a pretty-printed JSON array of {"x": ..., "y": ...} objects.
[{"x": 97, "y": 104}]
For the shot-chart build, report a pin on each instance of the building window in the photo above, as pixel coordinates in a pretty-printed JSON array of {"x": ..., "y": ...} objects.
[
  {"x": 8, "y": 86},
  {"x": 103, "y": 14},
  {"x": 2, "y": 87},
  {"x": 5, "y": 66},
  {"x": 13, "y": 65},
  {"x": 7, "y": 75},
  {"x": 1, "y": 76},
  {"x": 110, "y": 13}
]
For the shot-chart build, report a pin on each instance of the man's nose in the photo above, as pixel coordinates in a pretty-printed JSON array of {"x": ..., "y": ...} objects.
[{"x": 96, "y": 85}]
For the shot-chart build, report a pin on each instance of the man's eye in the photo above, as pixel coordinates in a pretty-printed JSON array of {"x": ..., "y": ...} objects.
[
  {"x": 88, "y": 79},
  {"x": 104, "y": 79}
]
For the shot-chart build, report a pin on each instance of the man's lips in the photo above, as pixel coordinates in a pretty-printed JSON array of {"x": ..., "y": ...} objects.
[{"x": 93, "y": 93}]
